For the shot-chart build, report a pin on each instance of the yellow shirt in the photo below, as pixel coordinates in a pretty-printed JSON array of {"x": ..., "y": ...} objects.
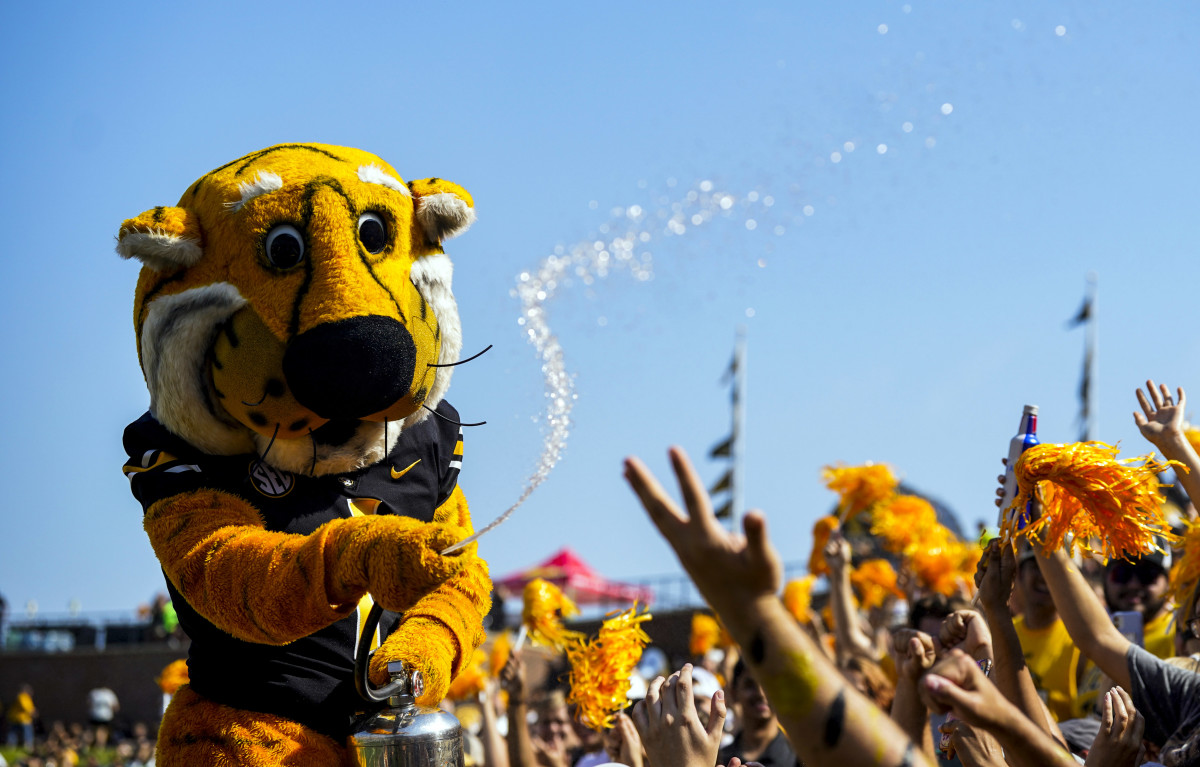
[
  {"x": 1159, "y": 636},
  {"x": 1053, "y": 661},
  {"x": 21, "y": 710}
]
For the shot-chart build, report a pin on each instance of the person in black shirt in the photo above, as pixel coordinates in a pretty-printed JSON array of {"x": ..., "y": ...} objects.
[{"x": 760, "y": 738}]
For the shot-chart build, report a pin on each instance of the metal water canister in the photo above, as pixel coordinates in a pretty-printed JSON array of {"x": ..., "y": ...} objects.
[{"x": 403, "y": 734}]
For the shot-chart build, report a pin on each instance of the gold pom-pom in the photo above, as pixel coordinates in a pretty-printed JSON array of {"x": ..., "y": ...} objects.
[
  {"x": 947, "y": 567},
  {"x": 875, "y": 581},
  {"x": 1185, "y": 573},
  {"x": 544, "y": 606},
  {"x": 1193, "y": 436},
  {"x": 860, "y": 487},
  {"x": 906, "y": 523},
  {"x": 174, "y": 676},
  {"x": 501, "y": 649},
  {"x": 1094, "y": 495},
  {"x": 470, "y": 680},
  {"x": 797, "y": 598},
  {"x": 707, "y": 633},
  {"x": 821, "y": 532},
  {"x": 601, "y": 668}
]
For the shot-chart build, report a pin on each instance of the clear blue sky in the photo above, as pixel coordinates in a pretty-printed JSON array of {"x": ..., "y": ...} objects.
[{"x": 913, "y": 300}]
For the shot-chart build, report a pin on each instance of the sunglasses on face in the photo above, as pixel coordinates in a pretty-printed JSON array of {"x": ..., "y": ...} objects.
[{"x": 1145, "y": 573}]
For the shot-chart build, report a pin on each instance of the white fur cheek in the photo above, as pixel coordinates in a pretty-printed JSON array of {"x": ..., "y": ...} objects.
[
  {"x": 432, "y": 276},
  {"x": 176, "y": 337}
]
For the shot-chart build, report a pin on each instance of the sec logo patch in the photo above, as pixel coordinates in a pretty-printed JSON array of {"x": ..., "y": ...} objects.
[{"x": 270, "y": 481}]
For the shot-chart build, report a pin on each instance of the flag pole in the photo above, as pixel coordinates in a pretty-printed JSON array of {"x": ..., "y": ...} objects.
[
  {"x": 1089, "y": 425},
  {"x": 739, "y": 432}
]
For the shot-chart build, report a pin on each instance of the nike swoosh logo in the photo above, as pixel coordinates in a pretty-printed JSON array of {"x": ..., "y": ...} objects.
[{"x": 399, "y": 474}]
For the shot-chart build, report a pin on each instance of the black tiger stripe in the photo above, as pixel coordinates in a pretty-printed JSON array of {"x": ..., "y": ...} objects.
[
  {"x": 184, "y": 523},
  {"x": 154, "y": 291},
  {"x": 158, "y": 214},
  {"x": 172, "y": 319},
  {"x": 302, "y": 571},
  {"x": 249, "y": 611},
  {"x": 250, "y": 158}
]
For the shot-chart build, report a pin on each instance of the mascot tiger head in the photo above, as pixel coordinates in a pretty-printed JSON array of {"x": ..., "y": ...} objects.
[{"x": 296, "y": 303}]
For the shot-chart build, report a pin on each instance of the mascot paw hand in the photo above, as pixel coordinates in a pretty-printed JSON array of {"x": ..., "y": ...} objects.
[
  {"x": 408, "y": 563},
  {"x": 433, "y": 664}
]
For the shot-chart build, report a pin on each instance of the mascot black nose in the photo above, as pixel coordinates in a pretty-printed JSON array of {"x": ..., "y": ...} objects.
[{"x": 351, "y": 368}]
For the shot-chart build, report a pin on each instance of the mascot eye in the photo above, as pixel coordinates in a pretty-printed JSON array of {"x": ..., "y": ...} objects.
[
  {"x": 373, "y": 232},
  {"x": 284, "y": 246}
]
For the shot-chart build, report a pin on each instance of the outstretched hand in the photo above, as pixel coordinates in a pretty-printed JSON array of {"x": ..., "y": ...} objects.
[
  {"x": 956, "y": 685},
  {"x": 837, "y": 551},
  {"x": 1121, "y": 729},
  {"x": 671, "y": 730},
  {"x": 1161, "y": 419},
  {"x": 995, "y": 574},
  {"x": 728, "y": 569}
]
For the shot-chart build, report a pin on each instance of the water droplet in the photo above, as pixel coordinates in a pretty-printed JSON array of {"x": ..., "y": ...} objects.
[
  {"x": 751, "y": 224},
  {"x": 752, "y": 196},
  {"x": 906, "y": 8},
  {"x": 750, "y": 312},
  {"x": 1016, "y": 24},
  {"x": 848, "y": 146},
  {"x": 881, "y": 149},
  {"x": 602, "y": 321},
  {"x": 768, "y": 201},
  {"x": 907, "y": 127},
  {"x": 835, "y": 157},
  {"x": 762, "y": 262},
  {"x": 779, "y": 230},
  {"x": 930, "y": 142},
  {"x": 726, "y": 202},
  {"x": 593, "y": 204},
  {"x": 947, "y": 108},
  {"x": 697, "y": 219},
  {"x": 809, "y": 210},
  {"x": 882, "y": 29},
  {"x": 1060, "y": 30},
  {"x": 634, "y": 211}
]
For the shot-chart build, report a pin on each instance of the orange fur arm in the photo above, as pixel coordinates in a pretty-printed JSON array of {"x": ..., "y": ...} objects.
[
  {"x": 273, "y": 588},
  {"x": 439, "y": 633}
]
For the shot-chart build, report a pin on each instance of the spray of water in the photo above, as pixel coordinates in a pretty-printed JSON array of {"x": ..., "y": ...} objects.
[{"x": 623, "y": 244}]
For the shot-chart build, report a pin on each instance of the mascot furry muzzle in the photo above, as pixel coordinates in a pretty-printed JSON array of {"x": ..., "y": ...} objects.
[{"x": 297, "y": 301}]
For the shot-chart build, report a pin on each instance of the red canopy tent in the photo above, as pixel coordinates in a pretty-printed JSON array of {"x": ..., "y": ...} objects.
[{"x": 579, "y": 582}]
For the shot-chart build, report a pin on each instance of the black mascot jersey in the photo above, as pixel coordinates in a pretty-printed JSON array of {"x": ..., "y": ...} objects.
[{"x": 309, "y": 680}]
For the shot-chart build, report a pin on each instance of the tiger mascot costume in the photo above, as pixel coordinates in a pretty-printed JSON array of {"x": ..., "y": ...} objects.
[{"x": 297, "y": 330}]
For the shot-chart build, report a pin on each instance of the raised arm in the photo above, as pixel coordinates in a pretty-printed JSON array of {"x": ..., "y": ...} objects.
[
  {"x": 828, "y": 722},
  {"x": 914, "y": 654},
  {"x": 1085, "y": 617},
  {"x": 994, "y": 577},
  {"x": 1161, "y": 423},
  {"x": 851, "y": 639},
  {"x": 955, "y": 684},
  {"x": 520, "y": 742}
]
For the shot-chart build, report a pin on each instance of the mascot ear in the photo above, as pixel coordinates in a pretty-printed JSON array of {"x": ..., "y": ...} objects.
[
  {"x": 444, "y": 209},
  {"x": 162, "y": 238}
]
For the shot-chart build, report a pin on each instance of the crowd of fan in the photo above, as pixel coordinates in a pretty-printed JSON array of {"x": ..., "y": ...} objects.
[
  {"x": 58, "y": 744},
  {"x": 1034, "y": 671}
]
